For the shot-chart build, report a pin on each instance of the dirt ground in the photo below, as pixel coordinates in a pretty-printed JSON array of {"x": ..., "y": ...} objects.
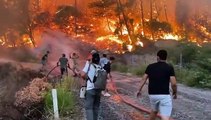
[
  {"x": 191, "y": 104},
  {"x": 13, "y": 77}
]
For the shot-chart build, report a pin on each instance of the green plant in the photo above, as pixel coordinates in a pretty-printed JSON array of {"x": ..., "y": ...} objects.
[
  {"x": 120, "y": 67},
  {"x": 140, "y": 70},
  {"x": 195, "y": 77},
  {"x": 69, "y": 83},
  {"x": 66, "y": 102}
]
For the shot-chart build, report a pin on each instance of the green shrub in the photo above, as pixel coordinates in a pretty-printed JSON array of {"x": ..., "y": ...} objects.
[
  {"x": 194, "y": 77},
  {"x": 120, "y": 67},
  {"x": 70, "y": 84},
  {"x": 139, "y": 71},
  {"x": 66, "y": 102},
  {"x": 66, "y": 99}
]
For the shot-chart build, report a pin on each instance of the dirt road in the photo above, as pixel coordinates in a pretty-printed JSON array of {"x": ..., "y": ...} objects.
[{"x": 192, "y": 103}]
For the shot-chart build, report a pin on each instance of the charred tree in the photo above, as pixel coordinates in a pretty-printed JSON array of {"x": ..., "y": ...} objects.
[
  {"x": 142, "y": 16},
  {"x": 165, "y": 10},
  {"x": 125, "y": 19},
  {"x": 151, "y": 19}
]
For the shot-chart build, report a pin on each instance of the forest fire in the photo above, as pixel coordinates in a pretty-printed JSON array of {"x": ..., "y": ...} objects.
[{"x": 107, "y": 24}]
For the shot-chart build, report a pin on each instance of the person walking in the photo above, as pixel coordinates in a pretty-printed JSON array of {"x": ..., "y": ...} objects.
[
  {"x": 44, "y": 60},
  {"x": 160, "y": 75},
  {"x": 64, "y": 65},
  {"x": 106, "y": 64},
  {"x": 93, "y": 95},
  {"x": 75, "y": 69}
]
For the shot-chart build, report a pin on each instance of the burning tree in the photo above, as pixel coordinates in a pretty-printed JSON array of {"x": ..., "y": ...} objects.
[{"x": 18, "y": 22}]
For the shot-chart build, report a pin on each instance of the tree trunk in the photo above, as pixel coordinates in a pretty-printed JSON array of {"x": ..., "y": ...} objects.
[
  {"x": 142, "y": 17},
  {"x": 125, "y": 19},
  {"x": 165, "y": 9},
  {"x": 109, "y": 27},
  {"x": 75, "y": 18},
  {"x": 31, "y": 36},
  {"x": 158, "y": 10},
  {"x": 151, "y": 18}
]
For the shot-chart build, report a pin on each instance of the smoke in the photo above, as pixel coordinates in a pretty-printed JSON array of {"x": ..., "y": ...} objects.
[
  {"x": 59, "y": 43},
  {"x": 186, "y": 9},
  {"x": 182, "y": 12}
]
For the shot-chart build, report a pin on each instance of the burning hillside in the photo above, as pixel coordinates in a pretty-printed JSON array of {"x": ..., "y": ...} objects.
[{"x": 116, "y": 25}]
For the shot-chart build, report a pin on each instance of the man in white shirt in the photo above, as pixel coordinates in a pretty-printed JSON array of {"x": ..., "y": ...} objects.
[{"x": 92, "y": 99}]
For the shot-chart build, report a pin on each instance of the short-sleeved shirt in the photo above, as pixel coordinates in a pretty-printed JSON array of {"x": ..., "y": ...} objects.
[
  {"x": 74, "y": 59},
  {"x": 91, "y": 74},
  {"x": 103, "y": 61},
  {"x": 159, "y": 77},
  {"x": 63, "y": 62}
]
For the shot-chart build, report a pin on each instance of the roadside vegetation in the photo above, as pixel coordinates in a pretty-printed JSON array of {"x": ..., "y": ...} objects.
[
  {"x": 66, "y": 98},
  {"x": 192, "y": 64},
  {"x": 26, "y": 94}
]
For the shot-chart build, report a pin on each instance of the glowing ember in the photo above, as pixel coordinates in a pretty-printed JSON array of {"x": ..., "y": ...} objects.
[
  {"x": 27, "y": 40},
  {"x": 2, "y": 42},
  {"x": 142, "y": 33},
  {"x": 124, "y": 31},
  {"x": 110, "y": 37},
  {"x": 140, "y": 43},
  {"x": 129, "y": 47},
  {"x": 171, "y": 37}
]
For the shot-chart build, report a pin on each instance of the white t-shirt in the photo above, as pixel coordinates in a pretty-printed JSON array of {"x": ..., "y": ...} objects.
[
  {"x": 103, "y": 61},
  {"x": 91, "y": 74}
]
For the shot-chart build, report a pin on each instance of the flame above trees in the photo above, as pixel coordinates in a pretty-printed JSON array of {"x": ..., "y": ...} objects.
[{"x": 117, "y": 25}]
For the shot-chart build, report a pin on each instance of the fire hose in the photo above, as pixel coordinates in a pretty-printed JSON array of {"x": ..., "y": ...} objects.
[
  {"x": 54, "y": 69},
  {"x": 131, "y": 102}
]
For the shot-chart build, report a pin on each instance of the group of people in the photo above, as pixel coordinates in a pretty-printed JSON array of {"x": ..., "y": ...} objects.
[
  {"x": 159, "y": 74},
  {"x": 63, "y": 63}
]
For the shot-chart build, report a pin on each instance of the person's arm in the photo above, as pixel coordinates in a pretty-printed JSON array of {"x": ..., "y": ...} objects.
[
  {"x": 144, "y": 79},
  {"x": 84, "y": 71},
  {"x": 57, "y": 63},
  {"x": 174, "y": 86},
  {"x": 109, "y": 70},
  {"x": 83, "y": 75}
]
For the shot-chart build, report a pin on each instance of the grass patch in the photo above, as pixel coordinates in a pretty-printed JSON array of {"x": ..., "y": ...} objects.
[
  {"x": 194, "y": 77},
  {"x": 139, "y": 70},
  {"x": 120, "y": 67},
  {"x": 66, "y": 98}
]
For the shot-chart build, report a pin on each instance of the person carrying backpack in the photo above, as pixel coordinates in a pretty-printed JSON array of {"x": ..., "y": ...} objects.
[{"x": 96, "y": 82}]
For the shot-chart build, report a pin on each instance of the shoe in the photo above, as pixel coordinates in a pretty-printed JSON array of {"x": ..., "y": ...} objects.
[
  {"x": 107, "y": 94},
  {"x": 103, "y": 93}
]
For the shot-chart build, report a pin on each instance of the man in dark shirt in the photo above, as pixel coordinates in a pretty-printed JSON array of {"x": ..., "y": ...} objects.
[
  {"x": 160, "y": 74},
  {"x": 63, "y": 62}
]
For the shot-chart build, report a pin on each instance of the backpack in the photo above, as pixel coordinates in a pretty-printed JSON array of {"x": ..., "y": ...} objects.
[{"x": 100, "y": 78}]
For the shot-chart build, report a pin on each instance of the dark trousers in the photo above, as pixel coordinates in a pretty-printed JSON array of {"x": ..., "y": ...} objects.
[
  {"x": 92, "y": 104},
  {"x": 63, "y": 70}
]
